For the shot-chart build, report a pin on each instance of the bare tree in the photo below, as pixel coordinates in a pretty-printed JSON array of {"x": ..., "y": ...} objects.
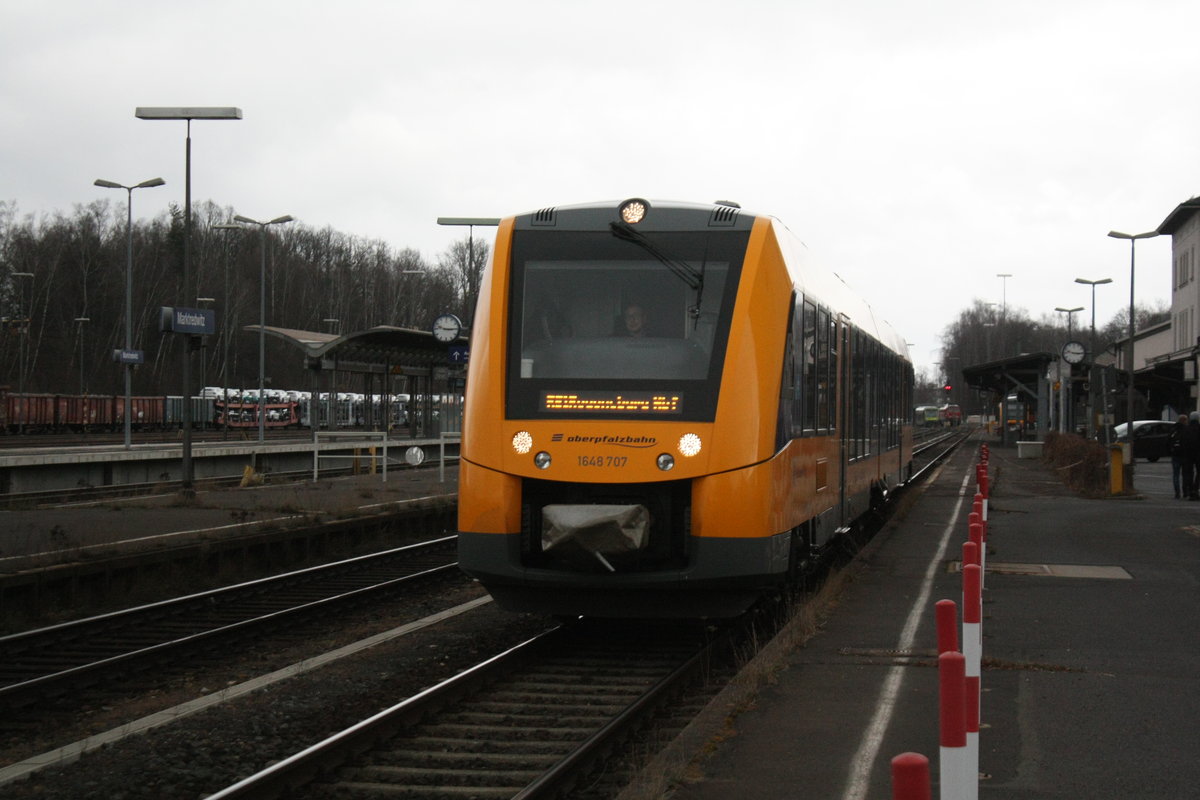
[{"x": 464, "y": 261}]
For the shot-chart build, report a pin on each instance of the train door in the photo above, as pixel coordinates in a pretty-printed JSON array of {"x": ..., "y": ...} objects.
[{"x": 844, "y": 428}]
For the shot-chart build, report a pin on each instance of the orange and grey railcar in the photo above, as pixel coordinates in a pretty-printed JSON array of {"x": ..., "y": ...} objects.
[{"x": 690, "y": 466}]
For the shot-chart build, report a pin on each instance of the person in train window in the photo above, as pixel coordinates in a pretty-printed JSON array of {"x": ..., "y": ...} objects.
[{"x": 635, "y": 320}]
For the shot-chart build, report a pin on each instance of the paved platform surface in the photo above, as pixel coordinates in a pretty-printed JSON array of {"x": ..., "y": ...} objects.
[
  {"x": 1089, "y": 681},
  {"x": 139, "y": 522}
]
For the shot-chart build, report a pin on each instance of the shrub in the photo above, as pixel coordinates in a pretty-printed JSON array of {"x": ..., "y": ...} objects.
[{"x": 1081, "y": 463}]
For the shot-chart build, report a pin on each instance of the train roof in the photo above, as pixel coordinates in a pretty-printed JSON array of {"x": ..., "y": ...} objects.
[{"x": 826, "y": 286}]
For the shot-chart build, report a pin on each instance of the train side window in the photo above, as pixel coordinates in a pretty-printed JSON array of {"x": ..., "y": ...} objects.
[
  {"x": 796, "y": 354},
  {"x": 808, "y": 371},
  {"x": 787, "y": 422},
  {"x": 827, "y": 370}
]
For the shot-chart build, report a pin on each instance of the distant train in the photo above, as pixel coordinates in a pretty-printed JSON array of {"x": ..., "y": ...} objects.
[
  {"x": 928, "y": 416},
  {"x": 948, "y": 415},
  {"x": 34, "y": 413},
  {"x": 670, "y": 412},
  {"x": 61, "y": 413},
  {"x": 951, "y": 414}
]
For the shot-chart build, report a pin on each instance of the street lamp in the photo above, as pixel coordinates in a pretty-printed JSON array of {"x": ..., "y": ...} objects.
[
  {"x": 470, "y": 222},
  {"x": 227, "y": 326},
  {"x": 204, "y": 302},
  {"x": 1003, "y": 276},
  {"x": 81, "y": 321},
  {"x": 1093, "y": 284},
  {"x": 1132, "y": 237},
  {"x": 1069, "y": 312},
  {"x": 129, "y": 289},
  {"x": 187, "y": 114},
  {"x": 1092, "y": 351},
  {"x": 23, "y": 347},
  {"x": 262, "y": 315}
]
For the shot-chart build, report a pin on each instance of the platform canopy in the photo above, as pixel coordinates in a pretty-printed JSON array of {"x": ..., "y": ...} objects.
[
  {"x": 384, "y": 348},
  {"x": 1024, "y": 375},
  {"x": 1017, "y": 374}
]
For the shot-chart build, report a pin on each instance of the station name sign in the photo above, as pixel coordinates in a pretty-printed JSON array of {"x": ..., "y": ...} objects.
[
  {"x": 129, "y": 356},
  {"x": 196, "y": 321}
]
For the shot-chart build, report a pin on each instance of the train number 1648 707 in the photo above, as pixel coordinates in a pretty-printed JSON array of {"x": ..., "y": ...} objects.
[{"x": 603, "y": 461}]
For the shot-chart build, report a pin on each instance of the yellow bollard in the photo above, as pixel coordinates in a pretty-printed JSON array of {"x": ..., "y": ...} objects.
[{"x": 1116, "y": 469}]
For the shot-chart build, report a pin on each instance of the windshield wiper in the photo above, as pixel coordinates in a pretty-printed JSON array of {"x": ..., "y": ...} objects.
[{"x": 692, "y": 277}]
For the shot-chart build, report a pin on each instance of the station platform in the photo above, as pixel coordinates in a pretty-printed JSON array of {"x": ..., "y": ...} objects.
[
  {"x": 1089, "y": 652},
  {"x": 30, "y": 538}
]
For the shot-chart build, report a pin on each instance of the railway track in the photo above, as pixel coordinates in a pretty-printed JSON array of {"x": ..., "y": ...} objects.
[
  {"x": 531, "y": 722},
  {"x": 69, "y": 656}
]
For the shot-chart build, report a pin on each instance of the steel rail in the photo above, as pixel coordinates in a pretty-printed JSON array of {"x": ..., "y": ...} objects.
[{"x": 15, "y": 646}]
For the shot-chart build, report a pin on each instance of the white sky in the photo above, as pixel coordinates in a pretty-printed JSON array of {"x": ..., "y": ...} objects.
[{"x": 919, "y": 148}]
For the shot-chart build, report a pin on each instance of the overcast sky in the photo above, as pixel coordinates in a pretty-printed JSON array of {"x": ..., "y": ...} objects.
[{"x": 919, "y": 148}]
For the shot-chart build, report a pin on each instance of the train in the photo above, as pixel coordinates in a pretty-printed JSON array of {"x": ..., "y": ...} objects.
[
  {"x": 671, "y": 411},
  {"x": 928, "y": 416},
  {"x": 63, "y": 413},
  {"x": 35, "y": 413},
  {"x": 947, "y": 415}
]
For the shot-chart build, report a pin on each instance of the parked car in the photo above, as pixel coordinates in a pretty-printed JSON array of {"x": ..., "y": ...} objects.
[{"x": 1151, "y": 438}]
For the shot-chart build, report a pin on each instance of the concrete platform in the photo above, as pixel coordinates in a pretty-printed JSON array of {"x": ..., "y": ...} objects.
[
  {"x": 96, "y": 529},
  {"x": 1090, "y": 651}
]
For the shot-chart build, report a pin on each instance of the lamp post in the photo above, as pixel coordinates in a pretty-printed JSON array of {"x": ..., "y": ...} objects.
[
  {"x": 470, "y": 222},
  {"x": 1003, "y": 276},
  {"x": 1132, "y": 237},
  {"x": 1093, "y": 284},
  {"x": 81, "y": 321},
  {"x": 262, "y": 315},
  {"x": 226, "y": 333},
  {"x": 129, "y": 287},
  {"x": 1065, "y": 394},
  {"x": 204, "y": 302},
  {"x": 1069, "y": 312},
  {"x": 1092, "y": 351},
  {"x": 187, "y": 114},
  {"x": 23, "y": 348}
]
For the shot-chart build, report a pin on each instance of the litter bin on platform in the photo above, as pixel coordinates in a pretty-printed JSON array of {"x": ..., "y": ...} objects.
[{"x": 1120, "y": 474}]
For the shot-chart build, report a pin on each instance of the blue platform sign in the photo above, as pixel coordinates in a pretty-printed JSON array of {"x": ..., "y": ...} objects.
[
  {"x": 129, "y": 356},
  {"x": 459, "y": 354},
  {"x": 196, "y": 321}
]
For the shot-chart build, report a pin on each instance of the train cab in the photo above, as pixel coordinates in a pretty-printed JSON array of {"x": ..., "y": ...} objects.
[{"x": 651, "y": 420}]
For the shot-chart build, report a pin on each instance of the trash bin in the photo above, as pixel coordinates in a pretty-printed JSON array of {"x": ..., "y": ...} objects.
[{"x": 1119, "y": 456}]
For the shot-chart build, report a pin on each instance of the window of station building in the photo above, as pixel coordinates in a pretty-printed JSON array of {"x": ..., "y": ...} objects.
[{"x": 1184, "y": 268}]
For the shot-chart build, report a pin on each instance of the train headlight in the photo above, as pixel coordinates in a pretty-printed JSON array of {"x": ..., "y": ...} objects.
[
  {"x": 634, "y": 210},
  {"x": 689, "y": 445},
  {"x": 522, "y": 442},
  {"x": 542, "y": 460},
  {"x": 665, "y": 462}
]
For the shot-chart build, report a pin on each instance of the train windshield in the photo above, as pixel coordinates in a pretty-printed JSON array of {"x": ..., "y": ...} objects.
[{"x": 606, "y": 325}]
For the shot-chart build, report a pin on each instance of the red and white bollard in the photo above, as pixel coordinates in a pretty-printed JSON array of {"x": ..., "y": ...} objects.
[
  {"x": 954, "y": 772},
  {"x": 910, "y": 777},
  {"x": 946, "y": 620},
  {"x": 972, "y": 638},
  {"x": 975, "y": 535}
]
